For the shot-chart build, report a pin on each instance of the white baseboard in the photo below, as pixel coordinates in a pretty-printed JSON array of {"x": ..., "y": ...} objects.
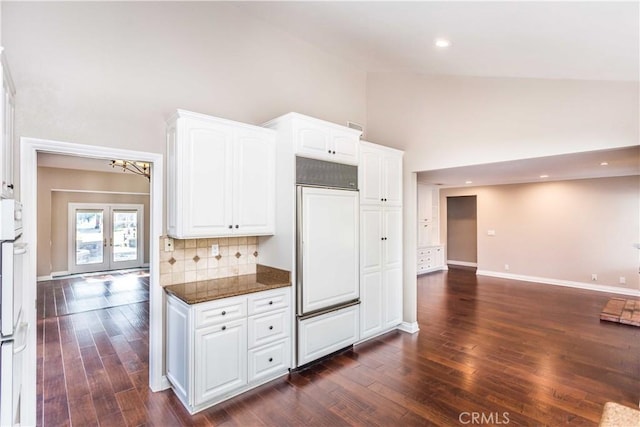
[
  {"x": 410, "y": 328},
  {"x": 59, "y": 273},
  {"x": 565, "y": 283},
  {"x": 462, "y": 263}
]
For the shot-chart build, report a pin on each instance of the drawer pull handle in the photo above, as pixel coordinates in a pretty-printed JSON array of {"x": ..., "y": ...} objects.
[
  {"x": 224, "y": 312},
  {"x": 224, "y": 328},
  {"x": 270, "y": 327},
  {"x": 271, "y": 359},
  {"x": 270, "y": 302}
]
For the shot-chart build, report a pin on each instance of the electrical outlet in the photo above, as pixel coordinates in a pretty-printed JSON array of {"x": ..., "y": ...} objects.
[
  {"x": 506, "y": 266},
  {"x": 215, "y": 250},
  {"x": 168, "y": 244},
  {"x": 623, "y": 280},
  {"x": 594, "y": 277}
]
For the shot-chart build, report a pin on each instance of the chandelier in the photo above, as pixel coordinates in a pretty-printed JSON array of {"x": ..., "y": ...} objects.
[{"x": 139, "y": 168}]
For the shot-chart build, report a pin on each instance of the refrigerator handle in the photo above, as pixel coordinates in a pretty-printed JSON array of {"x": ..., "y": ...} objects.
[{"x": 24, "y": 327}]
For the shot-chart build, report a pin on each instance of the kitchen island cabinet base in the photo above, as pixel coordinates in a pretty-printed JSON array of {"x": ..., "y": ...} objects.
[{"x": 222, "y": 348}]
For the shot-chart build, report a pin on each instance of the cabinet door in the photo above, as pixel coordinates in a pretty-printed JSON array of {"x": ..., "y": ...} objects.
[
  {"x": 425, "y": 203},
  {"x": 254, "y": 183},
  {"x": 392, "y": 232},
  {"x": 220, "y": 360},
  {"x": 424, "y": 233},
  {"x": 371, "y": 305},
  {"x": 177, "y": 347},
  {"x": 206, "y": 170},
  {"x": 392, "y": 284},
  {"x": 370, "y": 238},
  {"x": 312, "y": 139},
  {"x": 392, "y": 179},
  {"x": 370, "y": 171},
  {"x": 7, "y": 117},
  {"x": 344, "y": 147}
]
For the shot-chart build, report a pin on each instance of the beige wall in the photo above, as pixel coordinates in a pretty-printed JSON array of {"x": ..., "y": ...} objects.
[
  {"x": 53, "y": 208},
  {"x": 443, "y": 122},
  {"x": 462, "y": 233},
  {"x": 564, "y": 230},
  {"x": 111, "y": 73}
]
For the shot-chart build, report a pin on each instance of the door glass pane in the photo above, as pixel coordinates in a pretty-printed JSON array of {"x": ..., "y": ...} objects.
[
  {"x": 125, "y": 235},
  {"x": 89, "y": 236}
]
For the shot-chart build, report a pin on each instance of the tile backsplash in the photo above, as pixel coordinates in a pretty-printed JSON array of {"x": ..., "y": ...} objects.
[{"x": 191, "y": 259}]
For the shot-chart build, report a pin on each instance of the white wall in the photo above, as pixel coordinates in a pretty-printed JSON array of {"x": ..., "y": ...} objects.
[
  {"x": 445, "y": 122},
  {"x": 563, "y": 230},
  {"x": 110, "y": 73}
]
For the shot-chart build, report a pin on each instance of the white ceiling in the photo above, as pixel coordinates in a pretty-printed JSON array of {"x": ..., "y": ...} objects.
[{"x": 592, "y": 40}]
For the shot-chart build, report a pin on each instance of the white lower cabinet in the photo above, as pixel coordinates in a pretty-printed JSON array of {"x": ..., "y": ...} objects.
[
  {"x": 430, "y": 258},
  {"x": 218, "y": 349}
]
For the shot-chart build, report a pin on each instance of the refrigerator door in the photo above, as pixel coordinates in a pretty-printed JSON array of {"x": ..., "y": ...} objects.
[{"x": 327, "y": 248}]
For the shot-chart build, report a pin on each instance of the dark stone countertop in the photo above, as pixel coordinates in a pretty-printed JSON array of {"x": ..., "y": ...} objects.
[{"x": 208, "y": 290}]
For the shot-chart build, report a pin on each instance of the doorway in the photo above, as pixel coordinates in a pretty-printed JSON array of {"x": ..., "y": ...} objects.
[
  {"x": 462, "y": 231},
  {"x": 29, "y": 149},
  {"x": 105, "y": 237}
]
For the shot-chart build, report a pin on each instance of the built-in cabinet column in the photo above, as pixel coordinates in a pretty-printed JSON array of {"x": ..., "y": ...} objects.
[
  {"x": 430, "y": 255},
  {"x": 380, "y": 181},
  {"x": 6, "y": 131}
]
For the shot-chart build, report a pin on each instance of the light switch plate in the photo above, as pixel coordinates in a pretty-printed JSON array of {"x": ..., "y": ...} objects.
[
  {"x": 215, "y": 250},
  {"x": 168, "y": 244}
]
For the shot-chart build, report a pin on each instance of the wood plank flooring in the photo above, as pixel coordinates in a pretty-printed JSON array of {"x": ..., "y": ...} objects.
[{"x": 516, "y": 353}]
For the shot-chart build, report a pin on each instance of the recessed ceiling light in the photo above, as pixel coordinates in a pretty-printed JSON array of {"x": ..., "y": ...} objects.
[
  {"x": 604, "y": 163},
  {"x": 544, "y": 176},
  {"x": 468, "y": 182},
  {"x": 442, "y": 43}
]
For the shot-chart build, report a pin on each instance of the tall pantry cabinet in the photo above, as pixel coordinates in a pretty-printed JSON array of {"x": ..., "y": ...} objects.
[
  {"x": 380, "y": 181},
  {"x": 7, "y": 106}
]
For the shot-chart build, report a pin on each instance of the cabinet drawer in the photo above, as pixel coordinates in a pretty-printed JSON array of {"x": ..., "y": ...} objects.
[
  {"x": 425, "y": 260},
  {"x": 268, "y": 301},
  {"x": 424, "y": 267},
  {"x": 268, "y": 327},
  {"x": 425, "y": 252},
  {"x": 220, "y": 311},
  {"x": 267, "y": 361}
]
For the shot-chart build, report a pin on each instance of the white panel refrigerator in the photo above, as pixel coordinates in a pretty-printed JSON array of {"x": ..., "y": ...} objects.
[{"x": 328, "y": 288}]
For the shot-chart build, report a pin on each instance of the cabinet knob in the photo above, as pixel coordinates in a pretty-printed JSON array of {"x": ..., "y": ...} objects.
[
  {"x": 224, "y": 328},
  {"x": 382, "y": 238},
  {"x": 224, "y": 312},
  {"x": 231, "y": 226},
  {"x": 270, "y": 302},
  {"x": 270, "y": 328},
  {"x": 10, "y": 186},
  {"x": 329, "y": 151},
  {"x": 334, "y": 152},
  {"x": 237, "y": 226},
  {"x": 271, "y": 359}
]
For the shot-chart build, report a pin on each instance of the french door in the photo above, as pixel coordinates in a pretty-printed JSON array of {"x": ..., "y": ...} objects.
[{"x": 105, "y": 237}]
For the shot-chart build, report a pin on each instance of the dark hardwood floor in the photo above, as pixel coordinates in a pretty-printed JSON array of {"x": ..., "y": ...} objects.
[{"x": 513, "y": 353}]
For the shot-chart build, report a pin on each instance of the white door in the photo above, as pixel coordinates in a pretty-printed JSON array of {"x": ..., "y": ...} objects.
[
  {"x": 329, "y": 237},
  {"x": 105, "y": 237}
]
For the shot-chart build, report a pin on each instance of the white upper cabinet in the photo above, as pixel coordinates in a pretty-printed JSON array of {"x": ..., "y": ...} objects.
[
  {"x": 319, "y": 139},
  {"x": 221, "y": 177},
  {"x": 380, "y": 175},
  {"x": 6, "y": 131}
]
